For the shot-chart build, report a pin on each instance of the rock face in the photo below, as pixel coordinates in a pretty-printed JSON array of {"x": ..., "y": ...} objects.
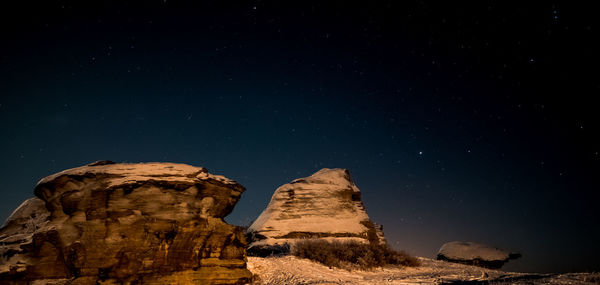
[
  {"x": 475, "y": 254},
  {"x": 147, "y": 223},
  {"x": 324, "y": 205}
]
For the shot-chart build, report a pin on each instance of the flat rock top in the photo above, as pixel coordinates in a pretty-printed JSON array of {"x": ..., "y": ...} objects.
[
  {"x": 469, "y": 250},
  {"x": 124, "y": 173},
  {"x": 329, "y": 176}
]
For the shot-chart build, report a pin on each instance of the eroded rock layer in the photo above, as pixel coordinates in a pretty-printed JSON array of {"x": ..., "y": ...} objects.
[
  {"x": 325, "y": 205},
  {"x": 147, "y": 223}
]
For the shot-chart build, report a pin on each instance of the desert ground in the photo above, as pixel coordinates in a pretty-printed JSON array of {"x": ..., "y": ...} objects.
[{"x": 294, "y": 270}]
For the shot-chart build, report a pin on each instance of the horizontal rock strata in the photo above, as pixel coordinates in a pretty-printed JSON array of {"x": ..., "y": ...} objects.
[
  {"x": 325, "y": 205},
  {"x": 146, "y": 223}
]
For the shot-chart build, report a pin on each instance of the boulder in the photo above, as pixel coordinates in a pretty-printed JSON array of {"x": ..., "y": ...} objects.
[
  {"x": 28, "y": 217},
  {"x": 475, "y": 254},
  {"x": 144, "y": 223},
  {"x": 326, "y": 205}
]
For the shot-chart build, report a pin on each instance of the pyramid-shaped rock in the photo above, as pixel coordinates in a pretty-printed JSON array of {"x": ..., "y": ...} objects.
[{"x": 324, "y": 205}]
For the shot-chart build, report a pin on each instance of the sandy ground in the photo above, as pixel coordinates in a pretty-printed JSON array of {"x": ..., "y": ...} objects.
[{"x": 293, "y": 270}]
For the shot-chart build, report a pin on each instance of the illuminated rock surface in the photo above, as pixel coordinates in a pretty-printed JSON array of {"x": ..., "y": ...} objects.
[
  {"x": 146, "y": 223},
  {"x": 324, "y": 205}
]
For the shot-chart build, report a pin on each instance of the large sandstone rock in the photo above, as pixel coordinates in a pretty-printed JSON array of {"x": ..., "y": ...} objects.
[
  {"x": 147, "y": 223},
  {"x": 475, "y": 254},
  {"x": 325, "y": 205}
]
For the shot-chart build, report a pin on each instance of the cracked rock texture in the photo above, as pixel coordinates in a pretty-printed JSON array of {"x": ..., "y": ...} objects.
[
  {"x": 144, "y": 223},
  {"x": 325, "y": 205}
]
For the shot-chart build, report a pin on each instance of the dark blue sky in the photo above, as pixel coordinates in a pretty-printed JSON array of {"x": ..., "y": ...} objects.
[{"x": 470, "y": 123}]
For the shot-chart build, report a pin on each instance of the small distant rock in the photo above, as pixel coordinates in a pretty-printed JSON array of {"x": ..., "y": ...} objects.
[{"x": 475, "y": 254}]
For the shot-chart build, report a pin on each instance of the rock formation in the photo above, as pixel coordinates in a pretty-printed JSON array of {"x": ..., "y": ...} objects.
[
  {"x": 325, "y": 205},
  {"x": 475, "y": 254},
  {"x": 147, "y": 223},
  {"x": 28, "y": 217}
]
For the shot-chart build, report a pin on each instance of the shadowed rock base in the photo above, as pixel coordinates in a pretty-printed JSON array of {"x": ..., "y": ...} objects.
[{"x": 494, "y": 264}]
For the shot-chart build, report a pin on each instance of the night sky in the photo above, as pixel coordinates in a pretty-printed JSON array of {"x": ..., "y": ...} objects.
[{"x": 472, "y": 123}]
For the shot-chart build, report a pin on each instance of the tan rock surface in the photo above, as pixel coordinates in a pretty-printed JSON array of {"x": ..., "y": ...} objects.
[
  {"x": 325, "y": 205},
  {"x": 148, "y": 223}
]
